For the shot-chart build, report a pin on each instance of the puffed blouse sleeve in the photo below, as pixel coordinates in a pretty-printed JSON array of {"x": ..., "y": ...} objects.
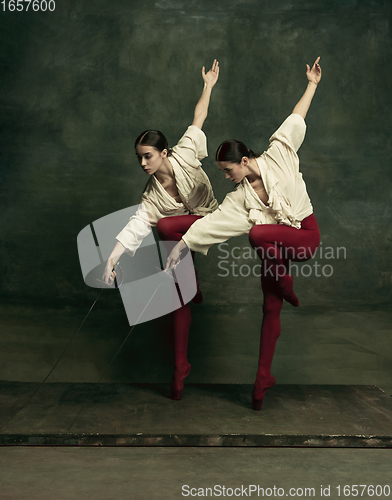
[
  {"x": 139, "y": 225},
  {"x": 230, "y": 219},
  {"x": 192, "y": 147},
  {"x": 284, "y": 144}
]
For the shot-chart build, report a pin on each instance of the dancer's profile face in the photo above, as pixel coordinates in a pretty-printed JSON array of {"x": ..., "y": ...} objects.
[
  {"x": 233, "y": 171},
  {"x": 150, "y": 158}
]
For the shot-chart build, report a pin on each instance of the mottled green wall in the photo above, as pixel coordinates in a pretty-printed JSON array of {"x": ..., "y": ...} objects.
[{"x": 79, "y": 84}]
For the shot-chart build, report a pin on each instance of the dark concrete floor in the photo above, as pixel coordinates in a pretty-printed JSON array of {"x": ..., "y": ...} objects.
[
  {"x": 207, "y": 415},
  {"x": 318, "y": 345},
  {"x": 28, "y": 473}
]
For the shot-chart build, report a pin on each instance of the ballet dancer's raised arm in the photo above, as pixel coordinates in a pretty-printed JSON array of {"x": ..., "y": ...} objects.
[
  {"x": 314, "y": 77},
  {"x": 200, "y": 114},
  {"x": 201, "y": 109}
]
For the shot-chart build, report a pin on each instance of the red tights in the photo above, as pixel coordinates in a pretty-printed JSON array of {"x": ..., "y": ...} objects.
[
  {"x": 172, "y": 229},
  {"x": 276, "y": 246}
]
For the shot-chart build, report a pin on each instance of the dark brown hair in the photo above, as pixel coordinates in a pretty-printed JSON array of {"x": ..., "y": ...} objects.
[
  {"x": 153, "y": 138},
  {"x": 233, "y": 151}
]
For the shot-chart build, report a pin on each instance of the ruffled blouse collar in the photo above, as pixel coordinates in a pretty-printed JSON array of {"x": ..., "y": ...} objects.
[
  {"x": 278, "y": 210},
  {"x": 185, "y": 183}
]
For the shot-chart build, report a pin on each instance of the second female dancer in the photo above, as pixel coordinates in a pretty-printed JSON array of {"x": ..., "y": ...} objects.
[
  {"x": 178, "y": 193},
  {"x": 270, "y": 204}
]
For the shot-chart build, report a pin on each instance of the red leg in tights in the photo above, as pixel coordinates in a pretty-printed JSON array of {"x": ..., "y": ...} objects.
[
  {"x": 181, "y": 324},
  {"x": 276, "y": 245},
  {"x": 172, "y": 229},
  {"x": 270, "y": 331}
]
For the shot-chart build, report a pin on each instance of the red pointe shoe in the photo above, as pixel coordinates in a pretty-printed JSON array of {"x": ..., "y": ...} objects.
[
  {"x": 285, "y": 284},
  {"x": 177, "y": 383},
  {"x": 258, "y": 394}
]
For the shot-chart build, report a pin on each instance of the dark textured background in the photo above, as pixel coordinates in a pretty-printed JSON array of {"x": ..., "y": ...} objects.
[{"x": 79, "y": 84}]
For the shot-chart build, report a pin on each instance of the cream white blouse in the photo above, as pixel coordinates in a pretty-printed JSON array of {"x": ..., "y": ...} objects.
[
  {"x": 288, "y": 200},
  {"x": 193, "y": 186}
]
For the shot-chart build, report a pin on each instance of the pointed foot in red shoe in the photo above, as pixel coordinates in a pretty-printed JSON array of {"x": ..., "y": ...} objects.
[
  {"x": 176, "y": 392},
  {"x": 286, "y": 287},
  {"x": 258, "y": 395},
  {"x": 177, "y": 383},
  {"x": 257, "y": 403}
]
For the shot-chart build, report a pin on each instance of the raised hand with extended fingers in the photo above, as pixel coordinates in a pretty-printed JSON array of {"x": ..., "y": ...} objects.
[
  {"x": 210, "y": 80},
  {"x": 314, "y": 74},
  {"x": 211, "y": 77}
]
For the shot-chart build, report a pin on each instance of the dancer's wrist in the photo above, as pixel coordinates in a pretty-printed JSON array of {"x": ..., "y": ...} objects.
[{"x": 182, "y": 245}]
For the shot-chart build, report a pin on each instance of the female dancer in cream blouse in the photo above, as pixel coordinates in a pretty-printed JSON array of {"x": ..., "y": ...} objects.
[
  {"x": 178, "y": 193},
  {"x": 271, "y": 204}
]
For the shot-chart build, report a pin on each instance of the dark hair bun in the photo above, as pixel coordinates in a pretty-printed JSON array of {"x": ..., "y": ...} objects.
[
  {"x": 153, "y": 138},
  {"x": 233, "y": 151}
]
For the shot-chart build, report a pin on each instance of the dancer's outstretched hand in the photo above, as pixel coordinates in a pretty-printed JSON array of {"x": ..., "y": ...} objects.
[
  {"x": 211, "y": 77},
  {"x": 314, "y": 74},
  {"x": 174, "y": 256},
  {"x": 109, "y": 273},
  {"x": 173, "y": 259}
]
